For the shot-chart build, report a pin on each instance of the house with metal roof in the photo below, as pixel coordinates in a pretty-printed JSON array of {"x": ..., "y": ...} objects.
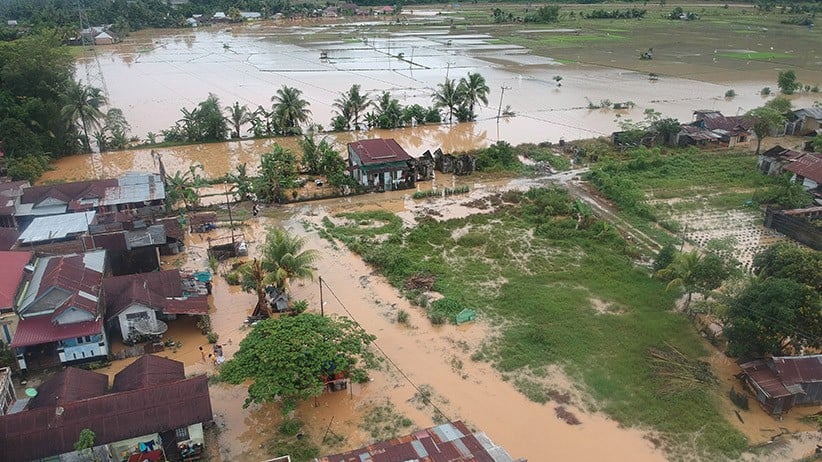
[
  {"x": 452, "y": 441},
  {"x": 10, "y": 194},
  {"x": 730, "y": 130},
  {"x": 131, "y": 191},
  {"x": 13, "y": 278},
  {"x": 61, "y": 312},
  {"x": 806, "y": 169},
  {"x": 781, "y": 383},
  {"x": 809, "y": 120},
  {"x": 380, "y": 164},
  {"x": 139, "y": 305},
  {"x": 152, "y": 413}
]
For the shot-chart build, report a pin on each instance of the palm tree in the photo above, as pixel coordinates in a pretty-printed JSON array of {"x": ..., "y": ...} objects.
[
  {"x": 283, "y": 254},
  {"x": 191, "y": 128},
  {"x": 238, "y": 116},
  {"x": 448, "y": 95},
  {"x": 83, "y": 103},
  {"x": 351, "y": 104},
  {"x": 474, "y": 90},
  {"x": 183, "y": 187},
  {"x": 389, "y": 112},
  {"x": 290, "y": 109},
  {"x": 682, "y": 272}
]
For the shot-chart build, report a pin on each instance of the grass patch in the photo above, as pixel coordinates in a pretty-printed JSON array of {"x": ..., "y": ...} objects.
[
  {"x": 289, "y": 440},
  {"x": 383, "y": 422},
  {"x": 528, "y": 265}
]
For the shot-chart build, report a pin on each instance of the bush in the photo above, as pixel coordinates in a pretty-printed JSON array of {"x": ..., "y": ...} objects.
[
  {"x": 232, "y": 278},
  {"x": 730, "y": 93},
  {"x": 212, "y": 336},
  {"x": 739, "y": 399},
  {"x": 402, "y": 317},
  {"x": 445, "y": 309},
  {"x": 765, "y": 91}
]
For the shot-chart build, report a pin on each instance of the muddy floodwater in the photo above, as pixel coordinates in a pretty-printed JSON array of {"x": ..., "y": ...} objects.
[{"x": 152, "y": 74}]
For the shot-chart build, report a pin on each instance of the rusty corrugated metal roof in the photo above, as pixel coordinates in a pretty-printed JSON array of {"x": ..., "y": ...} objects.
[
  {"x": 783, "y": 376},
  {"x": 450, "y": 442}
]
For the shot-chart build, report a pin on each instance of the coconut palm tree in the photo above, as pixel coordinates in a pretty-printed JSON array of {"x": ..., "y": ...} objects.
[
  {"x": 474, "y": 90},
  {"x": 290, "y": 110},
  {"x": 82, "y": 103},
  {"x": 237, "y": 117},
  {"x": 351, "y": 104},
  {"x": 682, "y": 272},
  {"x": 182, "y": 186},
  {"x": 283, "y": 254},
  {"x": 448, "y": 95}
]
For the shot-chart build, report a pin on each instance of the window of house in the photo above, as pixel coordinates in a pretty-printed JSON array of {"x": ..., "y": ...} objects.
[{"x": 182, "y": 434}]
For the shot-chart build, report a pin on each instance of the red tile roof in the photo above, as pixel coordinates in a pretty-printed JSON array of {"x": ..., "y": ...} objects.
[
  {"x": 36, "y": 330},
  {"x": 49, "y": 431},
  {"x": 68, "y": 192},
  {"x": 148, "y": 370},
  {"x": 379, "y": 151},
  {"x": 69, "y": 385},
  {"x": 808, "y": 166},
  {"x": 11, "y": 275},
  {"x": 158, "y": 290},
  {"x": 71, "y": 273}
]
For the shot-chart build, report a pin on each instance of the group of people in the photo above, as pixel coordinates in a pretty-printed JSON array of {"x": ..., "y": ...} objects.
[{"x": 216, "y": 356}]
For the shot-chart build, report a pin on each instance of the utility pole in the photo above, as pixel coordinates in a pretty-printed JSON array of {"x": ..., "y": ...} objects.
[
  {"x": 230, "y": 218},
  {"x": 499, "y": 111},
  {"x": 322, "y": 311}
]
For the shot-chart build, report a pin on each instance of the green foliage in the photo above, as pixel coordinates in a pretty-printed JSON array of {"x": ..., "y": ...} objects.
[
  {"x": 290, "y": 441},
  {"x": 287, "y": 358},
  {"x": 445, "y": 309},
  {"x": 766, "y": 120},
  {"x": 617, "y": 14},
  {"x": 402, "y": 317},
  {"x": 740, "y": 400},
  {"x": 277, "y": 172},
  {"x": 788, "y": 261},
  {"x": 85, "y": 441},
  {"x": 203, "y": 123},
  {"x": 786, "y": 81},
  {"x": 730, "y": 93},
  {"x": 290, "y": 110},
  {"x": 27, "y": 168},
  {"x": 774, "y": 316},
  {"x": 7, "y": 357},
  {"x": 544, "y": 14},
  {"x": 695, "y": 272},
  {"x": 438, "y": 193},
  {"x": 779, "y": 104},
  {"x": 540, "y": 288},
  {"x": 233, "y": 278},
  {"x": 499, "y": 156},
  {"x": 664, "y": 258}
]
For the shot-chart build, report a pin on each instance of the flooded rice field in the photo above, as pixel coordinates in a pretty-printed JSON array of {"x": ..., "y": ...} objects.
[{"x": 152, "y": 74}]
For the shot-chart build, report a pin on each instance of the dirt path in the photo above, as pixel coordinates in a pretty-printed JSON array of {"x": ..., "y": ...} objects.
[{"x": 473, "y": 392}]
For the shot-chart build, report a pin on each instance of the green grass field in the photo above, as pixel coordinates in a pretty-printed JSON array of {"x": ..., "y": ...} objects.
[{"x": 527, "y": 269}]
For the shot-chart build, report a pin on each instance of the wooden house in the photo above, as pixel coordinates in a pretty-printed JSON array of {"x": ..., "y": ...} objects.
[
  {"x": 380, "y": 164},
  {"x": 781, "y": 383}
]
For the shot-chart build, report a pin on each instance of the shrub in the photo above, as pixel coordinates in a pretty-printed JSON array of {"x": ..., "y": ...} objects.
[
  {"x": 212, "y": 336},
  {"x": 730, "y": 93},
  {"x": 739, "y": 399},
  {"x": 445, "y": 309},
  {"x": 232, "y": 278},
  {"x": 402, "y": 317},
  {"x": 765, "y": 91}
]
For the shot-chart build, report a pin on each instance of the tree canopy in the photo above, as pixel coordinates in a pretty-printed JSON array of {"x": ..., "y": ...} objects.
[
  {"x": 788, "y": 261},
  {"x": 774, "y": 316},
  {"x": 765, "y": 121},
  {"x": 289, "y": 358}
]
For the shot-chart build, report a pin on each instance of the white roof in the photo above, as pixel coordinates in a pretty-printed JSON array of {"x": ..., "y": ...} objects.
[{"x": 56, "y": 227}]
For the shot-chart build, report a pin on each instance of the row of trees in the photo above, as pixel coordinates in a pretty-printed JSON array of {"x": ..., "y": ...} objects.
[
  {"x": 776, "y": 312},
  {"x": 279, "y": 170},
  {"x": 355, "y": 109}
]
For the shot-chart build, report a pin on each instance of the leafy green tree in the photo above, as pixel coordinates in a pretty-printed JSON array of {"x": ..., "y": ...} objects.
[
  {"x": 277, "y": 172},
  {"x": 664, "y": 258},
  {"x": 237, "y": 117},
  {"x": 779, "y": 104},
  {"x": 668, "y": 128},
  {"x": 117, "y": 127},
  {"x": 311, "y": 154},
  {"x": 765, "y": 121},
  {"x": 786, "y": 81},
  {"x": 774, "y": 316},
  {"x": 498, "y": 156},
  {"x": 448, "y": 95},
  {"x": 289, "y": 358},
  {"x": 350, "y": 105},
  {"x": 28, "y": 168},
  {"x": 694, "y": 272},
  {"x": 83, "y": 103},
  {"x": 85, "y": 444},
  {"x": 243, "y": 185},
  {"x": 788, "y": 261},
  {"x": 474, "y": 90},
  {"x": 290, "y": 110},
  {"x": 210, "y": 121}
]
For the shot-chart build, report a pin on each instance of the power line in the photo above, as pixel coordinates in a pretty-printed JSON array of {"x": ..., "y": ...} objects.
[{"x": 388, "y": 358}]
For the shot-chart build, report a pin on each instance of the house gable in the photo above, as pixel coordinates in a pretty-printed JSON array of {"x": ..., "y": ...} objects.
[{"x": 73, "y": 315}]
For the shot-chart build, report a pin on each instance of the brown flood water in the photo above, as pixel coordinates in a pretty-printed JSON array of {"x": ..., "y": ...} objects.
[{"x": 152, "y": 74}]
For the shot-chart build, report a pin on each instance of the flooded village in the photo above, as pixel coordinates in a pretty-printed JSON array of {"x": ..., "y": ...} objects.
[{"x": 609, "y": 251}]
